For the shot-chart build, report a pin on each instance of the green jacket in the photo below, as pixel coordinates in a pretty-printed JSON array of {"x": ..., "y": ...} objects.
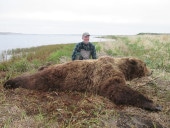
[{"x": 87, "y": 47}]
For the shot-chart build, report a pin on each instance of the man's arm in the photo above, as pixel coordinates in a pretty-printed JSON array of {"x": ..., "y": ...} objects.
[
  {"x": 76, "y": 49},
  {"x": 93, "y": 53}
]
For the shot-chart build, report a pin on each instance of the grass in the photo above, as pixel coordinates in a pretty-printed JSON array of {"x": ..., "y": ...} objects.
[
  {"x": 25, "y": 108},
  {"x": 154, "y": 50}
]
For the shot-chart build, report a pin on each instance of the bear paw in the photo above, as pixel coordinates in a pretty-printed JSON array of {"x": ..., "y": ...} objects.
[{"x": 10, "y": 84}]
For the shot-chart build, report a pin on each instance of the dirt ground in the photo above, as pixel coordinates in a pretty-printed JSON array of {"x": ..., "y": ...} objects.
[{"x": 21, "y": 108}]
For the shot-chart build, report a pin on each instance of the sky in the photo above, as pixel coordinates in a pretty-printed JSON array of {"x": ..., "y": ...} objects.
[{"x": 98, "y": 17}]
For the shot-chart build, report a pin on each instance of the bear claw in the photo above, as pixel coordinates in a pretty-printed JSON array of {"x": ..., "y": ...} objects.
[
  {"x": 158, "y": 108},
  {"x": 7, "y": 86}
]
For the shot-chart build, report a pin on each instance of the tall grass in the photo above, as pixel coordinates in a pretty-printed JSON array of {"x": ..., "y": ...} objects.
[
  {"x": 65, "y": 51},
  {"x": 153, "y": 50},
  {"x": 30, "y": 59}
]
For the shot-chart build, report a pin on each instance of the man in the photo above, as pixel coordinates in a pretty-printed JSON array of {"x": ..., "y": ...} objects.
[{"x": 84, "y": 50}]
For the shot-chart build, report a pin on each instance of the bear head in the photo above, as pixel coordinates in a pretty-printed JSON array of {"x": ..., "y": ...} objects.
[{"x": 133, "y": 68}]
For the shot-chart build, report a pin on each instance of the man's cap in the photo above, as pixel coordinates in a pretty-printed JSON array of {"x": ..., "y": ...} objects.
[{"x": 86, "y": 34}]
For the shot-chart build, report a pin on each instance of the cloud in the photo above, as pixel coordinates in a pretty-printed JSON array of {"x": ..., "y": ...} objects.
[{"x": 19, "y": 14}]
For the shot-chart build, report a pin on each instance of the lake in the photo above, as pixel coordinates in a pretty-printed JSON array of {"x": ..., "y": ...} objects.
[{"x": 12, "y": 41}]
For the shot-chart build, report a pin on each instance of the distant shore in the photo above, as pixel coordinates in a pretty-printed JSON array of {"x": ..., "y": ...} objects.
[
  {"x": 153, "y": 34},
  {"x": 8, "y": 33},
  {"x": 99, "y": 36}
]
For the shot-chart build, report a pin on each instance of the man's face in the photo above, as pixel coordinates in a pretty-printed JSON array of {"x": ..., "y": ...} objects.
[{"x": 86, "y": 39}]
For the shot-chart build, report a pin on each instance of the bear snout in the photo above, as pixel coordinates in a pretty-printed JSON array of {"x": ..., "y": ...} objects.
[{"x": 148, "y": 72}]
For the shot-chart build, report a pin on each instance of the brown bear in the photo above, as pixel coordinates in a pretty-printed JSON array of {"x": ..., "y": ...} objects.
[{"x": 105, "y": 76}]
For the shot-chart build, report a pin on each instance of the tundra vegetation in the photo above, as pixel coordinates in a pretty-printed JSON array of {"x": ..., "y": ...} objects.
[{"x": 21, "y": 108}]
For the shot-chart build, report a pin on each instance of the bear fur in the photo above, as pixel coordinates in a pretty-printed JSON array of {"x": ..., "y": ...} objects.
[{"x": 105, "y": 76}]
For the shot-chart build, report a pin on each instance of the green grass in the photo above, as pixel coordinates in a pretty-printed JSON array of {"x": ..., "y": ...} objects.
[
  {"x": 65, "y": 51},
  {"x": 27, "y": 59}
]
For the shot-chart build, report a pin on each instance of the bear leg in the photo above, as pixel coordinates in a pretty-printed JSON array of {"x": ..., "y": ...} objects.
[{"x": 117, "y": 91}]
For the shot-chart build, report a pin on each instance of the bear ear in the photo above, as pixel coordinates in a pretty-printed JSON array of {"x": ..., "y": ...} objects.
[{"x": 132, "y": 61}]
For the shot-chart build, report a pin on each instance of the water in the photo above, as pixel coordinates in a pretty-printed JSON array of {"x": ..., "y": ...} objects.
[{"x": 13, "y": 41}]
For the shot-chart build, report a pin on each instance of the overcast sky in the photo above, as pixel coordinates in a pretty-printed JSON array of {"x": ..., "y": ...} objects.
[{"x": 112, "y": 17}]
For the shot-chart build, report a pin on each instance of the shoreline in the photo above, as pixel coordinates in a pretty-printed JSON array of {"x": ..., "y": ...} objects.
[
  {"x": 14, "y": 41},
  {"x": 5, "y": 55}
]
